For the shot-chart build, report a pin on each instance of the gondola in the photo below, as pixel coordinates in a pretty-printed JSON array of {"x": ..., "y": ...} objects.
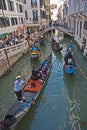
[
  {"x": 70, "y": 69},
  {"x": 35, "y": 52},
  {"x": 18, "y": 110},
  {"x": 69, "y": 64},
  {"x": 56, "y": 44}
]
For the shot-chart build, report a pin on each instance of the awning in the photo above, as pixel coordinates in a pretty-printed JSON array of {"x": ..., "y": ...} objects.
[{"x": 3, "y": 35}]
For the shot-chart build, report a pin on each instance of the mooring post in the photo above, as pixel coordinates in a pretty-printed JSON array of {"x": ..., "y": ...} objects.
[{"x": 7, "y": 59}]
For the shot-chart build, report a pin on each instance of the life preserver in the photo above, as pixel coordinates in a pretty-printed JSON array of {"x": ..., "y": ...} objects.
[{"x": 33, "y": 85}]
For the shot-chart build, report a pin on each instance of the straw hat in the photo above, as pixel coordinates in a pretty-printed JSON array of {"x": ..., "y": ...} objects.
[{"x": 18, "y": 77}]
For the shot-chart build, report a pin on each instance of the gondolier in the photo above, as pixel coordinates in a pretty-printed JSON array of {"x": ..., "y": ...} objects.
[{"x": 18, "y": 87}]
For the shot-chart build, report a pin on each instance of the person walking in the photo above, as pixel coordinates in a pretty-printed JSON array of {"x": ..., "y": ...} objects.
[{"x": 18, "y": 84}]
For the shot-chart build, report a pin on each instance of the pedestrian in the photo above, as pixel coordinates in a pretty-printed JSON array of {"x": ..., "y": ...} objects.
[{"x": 18, "y": 84}]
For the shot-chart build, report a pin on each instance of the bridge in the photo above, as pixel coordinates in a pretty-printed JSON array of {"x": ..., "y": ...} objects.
[{"x": 66, "y": 31}]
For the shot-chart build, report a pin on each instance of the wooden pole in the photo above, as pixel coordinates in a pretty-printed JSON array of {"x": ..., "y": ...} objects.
[
  {"x": 28, "y": 40},
  {"x": 7, "y": 59}
]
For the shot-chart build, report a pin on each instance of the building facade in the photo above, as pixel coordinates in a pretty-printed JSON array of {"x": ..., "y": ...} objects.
[
  {"x": 77, "y": 21},
  {"x": 12, "y": 15},
  {"x": 16, "y": 15},
  {"x": 35, "y": 14},
  {"x": 65, "y": 14}
]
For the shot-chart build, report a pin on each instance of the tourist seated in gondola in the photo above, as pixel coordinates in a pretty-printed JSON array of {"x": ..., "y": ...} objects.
[
  {"x": 69, "y": 55},
  {"x": 44, "y": 63},
  {"x": 69, "y": 62},
  {"x": 34, "y": 74},
  {"x": 42, "y": 73},
  {"x": 69, "y": 58},
  {"x": 40, "y": 76},
  {"x": 71, "y": 51}
]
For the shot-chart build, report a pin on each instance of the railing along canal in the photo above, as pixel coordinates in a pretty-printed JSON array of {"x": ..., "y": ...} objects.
[
  {"x": 62, "y": 29},
  {"x": 9, "y": 55}
]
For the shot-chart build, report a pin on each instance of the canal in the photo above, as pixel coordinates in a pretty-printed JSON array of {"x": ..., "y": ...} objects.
[{"x": 62, "y": 103}]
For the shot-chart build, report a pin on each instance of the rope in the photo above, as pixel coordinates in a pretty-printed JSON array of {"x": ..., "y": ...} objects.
[{"x": 84, "y": 75}]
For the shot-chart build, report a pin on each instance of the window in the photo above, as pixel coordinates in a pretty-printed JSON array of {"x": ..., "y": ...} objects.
[
  {"x": 35, "y": 15},
  {"x": 80, "y": 28},
  {"x": 21, "y": 8},
  {"x": 85, "y": 25},
  {"x": 4, "y": 22},
  {"x": 10, "y": 5},
  {"x": 14, "y": 21},
  {"x": 7, "y": 21},
  {"x": 77, "y": 26},
  {"x": 43, "y": 14},
  {"x": 19, "y": 20},
  {"x": 24, "y": 1},
  {"x": 26, "y": 16},
  {"x": 42, "y": 2},
  {"x": 22, "y": 20},
  {"x": 33, "y": 2},
  {"x": 3, "y": 5}
]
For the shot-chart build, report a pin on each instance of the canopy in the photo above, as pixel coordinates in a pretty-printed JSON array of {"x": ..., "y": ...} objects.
[{"x": 3, "y": 35}]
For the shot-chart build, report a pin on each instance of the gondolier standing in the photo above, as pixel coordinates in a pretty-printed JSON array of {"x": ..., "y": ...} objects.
[{"x": 18, "y": 87}]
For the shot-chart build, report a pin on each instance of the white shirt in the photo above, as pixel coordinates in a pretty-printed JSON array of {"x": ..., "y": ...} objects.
[{"x": 18, "y": 85}]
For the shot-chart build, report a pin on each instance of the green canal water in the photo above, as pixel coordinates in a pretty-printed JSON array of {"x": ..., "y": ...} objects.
[{"x": 62, "y": 104}]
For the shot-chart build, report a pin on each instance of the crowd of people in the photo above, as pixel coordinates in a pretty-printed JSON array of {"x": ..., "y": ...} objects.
[{"x": 12, "y": 39}]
